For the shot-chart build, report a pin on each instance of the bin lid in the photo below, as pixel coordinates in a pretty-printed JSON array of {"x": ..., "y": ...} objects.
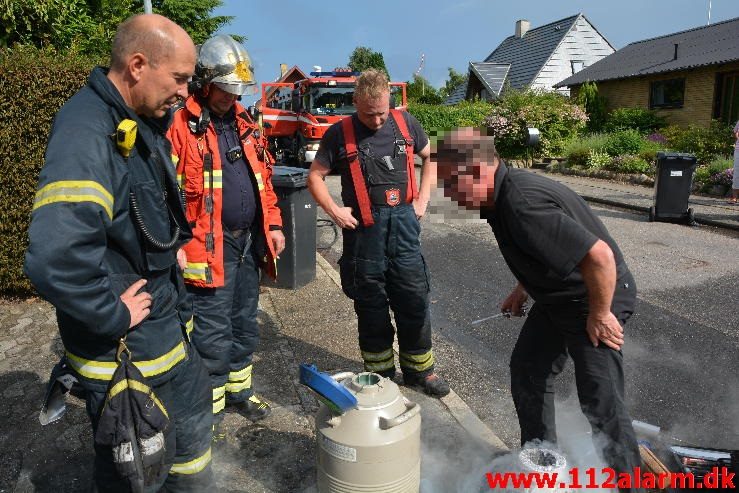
[
  {"x": 688, "y": 159},
  {"x": 289, "y": 177}
]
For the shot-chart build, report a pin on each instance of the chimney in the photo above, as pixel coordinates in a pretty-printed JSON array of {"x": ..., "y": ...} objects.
[
  {"x": 522, "y": 27},
  {"x": 675, "y": 55}
]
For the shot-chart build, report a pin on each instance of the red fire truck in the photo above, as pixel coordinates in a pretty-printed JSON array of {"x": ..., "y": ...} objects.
[{"x": 296, "y": 115}]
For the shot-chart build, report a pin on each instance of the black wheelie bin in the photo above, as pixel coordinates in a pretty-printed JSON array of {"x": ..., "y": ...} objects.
[{"x": 672, "y": 186}]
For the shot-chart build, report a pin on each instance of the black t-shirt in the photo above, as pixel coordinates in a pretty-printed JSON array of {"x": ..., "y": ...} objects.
[
  {"x": 332, "y": 151},
  {"x": 544, "y": 230}
]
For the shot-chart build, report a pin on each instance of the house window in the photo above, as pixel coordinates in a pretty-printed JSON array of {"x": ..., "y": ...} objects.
[
  {"x": 577, "y": 65},
  {"x": 667, "y": 93}
]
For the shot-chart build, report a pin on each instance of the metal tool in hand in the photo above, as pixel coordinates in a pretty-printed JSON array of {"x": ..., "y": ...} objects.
[{"x": 506, "y": 314}]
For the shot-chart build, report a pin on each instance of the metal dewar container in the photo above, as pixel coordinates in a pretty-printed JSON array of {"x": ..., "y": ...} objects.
[{"x": 375, "y": 447}]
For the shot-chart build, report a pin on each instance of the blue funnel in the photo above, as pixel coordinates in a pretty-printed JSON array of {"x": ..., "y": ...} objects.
[{"x": 335, "y": 396}]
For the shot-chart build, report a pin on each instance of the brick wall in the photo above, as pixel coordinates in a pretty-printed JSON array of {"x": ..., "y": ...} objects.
[{"x": 700, "y": 85}]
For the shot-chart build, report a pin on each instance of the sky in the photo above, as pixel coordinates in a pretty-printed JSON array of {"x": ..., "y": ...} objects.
[{"x": 447, "y": 33}]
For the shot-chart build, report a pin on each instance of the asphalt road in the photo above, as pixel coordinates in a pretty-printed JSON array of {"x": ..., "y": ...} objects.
[{"x": 681, "y": 351}]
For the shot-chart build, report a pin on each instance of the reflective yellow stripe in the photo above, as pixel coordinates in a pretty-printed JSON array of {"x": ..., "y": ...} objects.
[
  {"x": 367, "y": 356},
  {"x": 135, "y": 385},
  {"x": 103, "y": 370},
  {"x": 217, "y": 178},
  {"x": 381, "y": 366},
  {"x": 75, "y": 191},
  {"x": 418, "y": 362},
  {"x": 241, "y": 374},
  {"x": 175, "y": 159},
  {"x": 219, "y": 399},
  {"x": 239, "y": 380},
  {"x": 195, "y": 270},
  {"x": 189, "y": 326},
  {"x": 260, "y": 182},
  {"x": 181, "y": 179},
  {"x": 192, "y": 467}
]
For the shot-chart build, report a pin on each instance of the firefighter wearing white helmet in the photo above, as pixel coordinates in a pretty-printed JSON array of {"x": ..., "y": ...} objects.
[{"x": 226, "y": 175}]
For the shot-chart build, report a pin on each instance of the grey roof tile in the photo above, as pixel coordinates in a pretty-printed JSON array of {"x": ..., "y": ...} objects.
[{"x": 702, "y": 46}]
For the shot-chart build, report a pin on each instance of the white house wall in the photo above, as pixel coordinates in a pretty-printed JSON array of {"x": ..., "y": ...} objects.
[{"x": 582, "y": 43}]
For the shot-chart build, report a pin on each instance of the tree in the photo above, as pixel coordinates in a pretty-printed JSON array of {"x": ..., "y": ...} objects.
[
  {"x": 421, "y": 91},
  {"x": 88, "y": 26},
  {"x": 454, "y": 80},
  {"x": 363, "y": 58}
]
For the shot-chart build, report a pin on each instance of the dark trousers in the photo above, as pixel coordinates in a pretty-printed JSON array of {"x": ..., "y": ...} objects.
[
  {"x": 381, "y": 269},
  {"x": 225, "y": 332},
  {"x": 186, "y": 397},
  {"x": 549, "y": 334}
]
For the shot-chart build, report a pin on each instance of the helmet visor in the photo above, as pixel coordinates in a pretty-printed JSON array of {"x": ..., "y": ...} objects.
[{"x": 237, "y": 88}]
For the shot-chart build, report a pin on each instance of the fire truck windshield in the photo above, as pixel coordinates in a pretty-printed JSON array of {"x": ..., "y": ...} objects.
[{"x": 334, "y": 100}]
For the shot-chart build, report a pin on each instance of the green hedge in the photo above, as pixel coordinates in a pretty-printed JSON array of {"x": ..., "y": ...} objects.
[
  {"x": 33, "y": 86},
  {"x": 435, "y": 118}
]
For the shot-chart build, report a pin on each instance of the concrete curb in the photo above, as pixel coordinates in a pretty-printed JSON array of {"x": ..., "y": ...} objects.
[{"x": 456, "y": 406}]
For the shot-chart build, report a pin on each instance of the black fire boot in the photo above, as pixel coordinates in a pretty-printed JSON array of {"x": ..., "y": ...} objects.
[
  {"x": 432, "y": 384},
  {"x": 253, "y": 409}
]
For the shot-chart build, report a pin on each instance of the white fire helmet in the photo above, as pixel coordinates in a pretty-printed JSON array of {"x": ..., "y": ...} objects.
[{"x": 225, "y": 63}]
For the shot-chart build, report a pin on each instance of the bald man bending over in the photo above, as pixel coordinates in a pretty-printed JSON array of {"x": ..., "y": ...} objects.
[{"x": 109, "y": 195}]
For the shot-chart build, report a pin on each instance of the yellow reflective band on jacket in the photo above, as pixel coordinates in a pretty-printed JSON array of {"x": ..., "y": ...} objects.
[
  {"x": 175, "y": 159},
  {"x": 189, "y": 326},
  {"x": 180, "y": 180},
  {"x": 135, "y": 385},
  {"x": 192, "y": 467},
  {"x": 75, "y": 191},
  {"x": 418, "y": 362},
  {"x": 195, "y": 270},
  {"x": 219, "y": 399},
  {"x": 217, "y": 178},
  {"x": 260, "y": 182},
  {"x": 239, "y": 380},
  {"x": 103, "y": 370}
]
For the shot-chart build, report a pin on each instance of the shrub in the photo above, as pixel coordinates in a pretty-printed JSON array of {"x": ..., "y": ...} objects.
[
  {"x": 719, "y": 164},
  {"x": 434, "y": 118},
  {"x": 598, "y": 159},
  {"x": 639, "y": 119},
  {"x": 624, "y": 142},
  {"x": 578, "y": 150},
  {"x": 704, "y": 143},
  {"x": 33, "y": 86},
  {"x": 630, "y": 164},
  {"x": 594, "y": 104},
  {"x": 723, "y": 178},
  {"x": 557, "y": 118}
]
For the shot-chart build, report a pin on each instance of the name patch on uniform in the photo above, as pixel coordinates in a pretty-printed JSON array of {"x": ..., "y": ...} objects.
[{"x": 392, "y": 197}]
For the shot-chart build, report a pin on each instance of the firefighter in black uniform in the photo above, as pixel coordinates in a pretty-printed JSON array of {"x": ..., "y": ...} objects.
[
  {"x": 382, "y": 266},
  {"x": 566, "y": 261},
  {"x": 106, "y": 225}
]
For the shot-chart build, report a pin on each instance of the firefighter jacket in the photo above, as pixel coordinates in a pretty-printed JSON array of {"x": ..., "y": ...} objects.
[
  {"x": 87, "y": 246},
  {"x": 195, "y": 149}
]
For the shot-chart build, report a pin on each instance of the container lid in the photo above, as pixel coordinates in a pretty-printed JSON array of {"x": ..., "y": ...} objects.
[
  {"x": 337, "y": 397},
  {"x": 289, "y": 177}
]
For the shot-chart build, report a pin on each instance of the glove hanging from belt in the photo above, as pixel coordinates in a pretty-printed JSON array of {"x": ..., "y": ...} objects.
[{"x": 132, "y": 423}]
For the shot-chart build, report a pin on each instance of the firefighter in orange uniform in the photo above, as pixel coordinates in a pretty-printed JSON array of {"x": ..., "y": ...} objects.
[{"x": 225, "y": 174}]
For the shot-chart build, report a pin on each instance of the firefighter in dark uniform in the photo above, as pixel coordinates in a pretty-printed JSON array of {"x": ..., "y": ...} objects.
[
  {"x": 382, "y": 266},
  {"x": 566, "y": 261},
  {"x": 106, "y": 225}
]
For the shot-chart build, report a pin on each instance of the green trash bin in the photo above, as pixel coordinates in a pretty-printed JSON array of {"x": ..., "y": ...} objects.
[{"x": 296, "y": 266}]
